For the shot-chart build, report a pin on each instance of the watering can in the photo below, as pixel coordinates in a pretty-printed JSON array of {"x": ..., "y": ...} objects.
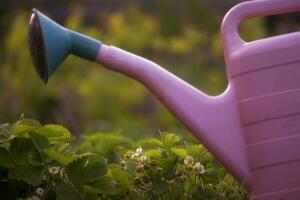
[{"x": 253, "y": 128}]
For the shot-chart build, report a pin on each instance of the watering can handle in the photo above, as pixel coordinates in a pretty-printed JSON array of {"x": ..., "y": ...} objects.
[{"x": 249, "y": 9}]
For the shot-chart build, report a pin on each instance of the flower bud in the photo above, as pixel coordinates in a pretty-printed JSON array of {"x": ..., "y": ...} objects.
[
  {"x": 140, "y": 168},
  {"x": 53, "y": 170},
  {"x": 39, "y": 191}
]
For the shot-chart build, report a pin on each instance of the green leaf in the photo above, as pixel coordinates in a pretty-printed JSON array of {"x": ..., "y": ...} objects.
[
  {"x": 59, "y": 157},
  {"x": 28, "y": 122},
  {"x": 92, "y": 190},
  {"x": 31, "y": 175},
  {"x": 154, "y": 153},
  {"x": 190, "y": 187},
  {"x": 104, "y": 144},
  {"x": 150, "y": 142},
  {"x": 180, "y": 152},
  {"x": 169, "y": 139},
  {"x": 35, "y": 159},
  {"x": 160, "y": 186},
  {"x": 195, "y": 150},
  {"x": 5, "y": 134},
  {"x": 24, "y": 126},
  {"x": 103, "y": 185},
  {"x": 6, "y": 139},
  {"x": 4, "y": 130},
  {"x": 54, "y": 132},
  {"x": 168, "y": 164},
  {"x": 67, "y": 192},
  {"x": 19, "y": 150},
  {"x": 207, "y": 158},
  {"x": 63, "y": 147},
  {"x": 21, "y": 129},
  {"x": 5, "y": 159},
  {"x": 5, "y": 145},
  {"x": 121, "y": 177},
  {"x": 130, "y": 167},
  {"x": 40, "y": 142},
  {"x": 86, "y": 169}
]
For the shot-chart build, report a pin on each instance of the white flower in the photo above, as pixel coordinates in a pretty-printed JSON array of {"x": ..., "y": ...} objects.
[
  {"x": 53, "y": 170},
  {"x": 199, "y": 168},
  {"x": 138, "y": 151},
  {"x": 189, "y": 161},
  {"x": 39, "y": 191},
  {"x": 202, "y": 170}
]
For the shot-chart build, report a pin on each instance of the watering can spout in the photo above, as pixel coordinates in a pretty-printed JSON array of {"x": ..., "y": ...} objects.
[{"x": 213, "y": 120}]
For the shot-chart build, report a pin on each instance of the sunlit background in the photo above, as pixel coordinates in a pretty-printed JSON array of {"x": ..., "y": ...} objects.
[{"x": 182, "y": 36}]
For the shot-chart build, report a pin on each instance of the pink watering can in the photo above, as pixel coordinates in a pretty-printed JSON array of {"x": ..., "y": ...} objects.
[{"x": 253, "y": 128}]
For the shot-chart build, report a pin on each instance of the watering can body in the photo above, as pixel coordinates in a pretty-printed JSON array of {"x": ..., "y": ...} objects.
[
  {"x": 253, "y": 128},
  {"x": 265, "y": 75},
  {"x": 266, "y": 79}
]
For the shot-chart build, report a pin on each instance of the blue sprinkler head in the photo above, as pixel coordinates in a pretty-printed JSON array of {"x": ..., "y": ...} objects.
[{"x": 50, "y": 44}]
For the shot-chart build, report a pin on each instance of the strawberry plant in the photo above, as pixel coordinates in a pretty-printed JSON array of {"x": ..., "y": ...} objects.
[{"x": 47, "y": 162}]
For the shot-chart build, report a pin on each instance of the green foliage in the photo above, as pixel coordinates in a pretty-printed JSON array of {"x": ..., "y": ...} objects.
[
  {"x": 86, "y": 169},
  {"x": 28, "y": 173},
  {"x": 38, "y": 162}
]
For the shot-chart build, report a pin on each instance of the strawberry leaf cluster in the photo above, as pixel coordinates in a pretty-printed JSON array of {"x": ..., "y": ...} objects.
[{"x": 47, "y": 162}]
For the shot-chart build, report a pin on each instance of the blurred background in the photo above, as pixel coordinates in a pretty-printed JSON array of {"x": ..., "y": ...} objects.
[{"x": 182, "y": 36}]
